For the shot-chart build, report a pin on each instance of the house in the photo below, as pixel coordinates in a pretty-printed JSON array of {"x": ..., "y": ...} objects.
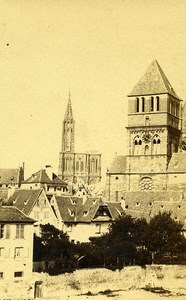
[
  {"x": 47, "y": 180},
  {"x": 16, "y": 252},
  {"x": 85, "y": 218},
  {"x": 35, "y": 204},
  {"x": 11, "y": 177}
]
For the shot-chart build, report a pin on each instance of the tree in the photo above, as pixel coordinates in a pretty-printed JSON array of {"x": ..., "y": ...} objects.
[
  {"x": 56, "y": 243},
  {"x": 165, "y": 235}
]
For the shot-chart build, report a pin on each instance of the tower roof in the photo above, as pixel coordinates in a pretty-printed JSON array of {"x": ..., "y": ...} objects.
[
  {"x": 152, "y": 82},
  {"x": 68, "y": 112}
]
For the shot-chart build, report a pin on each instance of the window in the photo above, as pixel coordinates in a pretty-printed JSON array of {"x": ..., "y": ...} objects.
[
  {"x": 18, "y": 274},
  {"x": 152, "y": 104},
  {"x": 19, "y": 231},
  {"x": 77, "y": 166},
  {"x": 1, "y": 275},
  {"x": 18, "y": 252},
  {"x": 157, "y": 103},
  {"x": 7, "y": 231},
  {"x": 2, "y": 226},
  {"x": 143, "y": 104},
  {"x": 137, "y": 104},
  {"x": 82, "y": 166},
  {"x": 2, "y": 251}
]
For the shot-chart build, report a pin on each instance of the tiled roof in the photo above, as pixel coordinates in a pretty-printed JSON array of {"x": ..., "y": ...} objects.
[
  {"x": 177, "y": 162},
  {"x": 38, "y": 177},
  {"x": 3, "y": 194},
  {"x": 148, "y": 204},
  {"x": 118, "y": 165},
  {"x": 85, "y": 212},
  {"x": 42, "y": 177},
  {"x": 153, "y": 81},
  {"x": 10, "y": 214},
  {"x": 57, "y": 181},
  {"x": 24, "y": 200},
  {"x": 9, "y": 176}
]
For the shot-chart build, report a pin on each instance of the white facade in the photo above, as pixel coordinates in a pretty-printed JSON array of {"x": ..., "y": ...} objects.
[{"x": 16, "y": 251}]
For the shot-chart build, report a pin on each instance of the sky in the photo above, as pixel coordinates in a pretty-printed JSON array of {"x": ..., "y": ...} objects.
[{"x": 98, "y": 50}]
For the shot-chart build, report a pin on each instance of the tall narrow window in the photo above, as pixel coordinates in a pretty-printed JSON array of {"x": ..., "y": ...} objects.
[
  {"x": 137, "y": 104},
  {"x": 82, "y": 166},
  {"x": 19, "y": 231},
  {"x": 152, "y": 104},
  {"x": 77, "y": 166},
  {"x": 157, "y": 103},
  {"x": 2, "y": 226},
  {"x": 143, "y": 104},
  {"x": 8, "y": 231}
]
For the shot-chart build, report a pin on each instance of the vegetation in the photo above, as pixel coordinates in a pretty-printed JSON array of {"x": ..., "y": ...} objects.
[{"x": 129, "y": 241}]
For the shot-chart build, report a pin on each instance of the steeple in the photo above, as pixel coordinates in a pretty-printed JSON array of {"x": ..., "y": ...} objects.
[
  {"x": 68, "y": 112},
  {"x": 68, "y": 130},
  {"x": 153, "y": 82}
]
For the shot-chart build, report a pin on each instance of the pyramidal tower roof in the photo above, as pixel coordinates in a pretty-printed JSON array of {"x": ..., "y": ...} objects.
[
  {"x": 152, "y": 82},
  {"x": 68, "y": 112}
]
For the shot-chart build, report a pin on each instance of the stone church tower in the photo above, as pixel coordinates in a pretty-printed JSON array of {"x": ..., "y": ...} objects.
[
  {"x": 74, "y": 167},
  {"x": 154, "y": 140},
  {"x": 154, "y": 129}
]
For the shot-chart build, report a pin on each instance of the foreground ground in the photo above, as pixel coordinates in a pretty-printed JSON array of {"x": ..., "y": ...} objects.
[{"x": 131, "y": 283}]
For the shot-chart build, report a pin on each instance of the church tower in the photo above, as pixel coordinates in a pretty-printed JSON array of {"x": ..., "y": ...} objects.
[
  {"x": 68, "y": 130},
  {"x": 154, "y": 128},
  {"x": 75, "y": 167},
  {"x": 66, "y": 156}
]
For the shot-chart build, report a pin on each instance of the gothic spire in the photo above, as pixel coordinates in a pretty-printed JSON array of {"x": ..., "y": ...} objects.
[{"x": 68, "y": 112}]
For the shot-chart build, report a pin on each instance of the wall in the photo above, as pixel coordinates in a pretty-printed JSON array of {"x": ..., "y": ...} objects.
[{"x": 9, "y": 263}]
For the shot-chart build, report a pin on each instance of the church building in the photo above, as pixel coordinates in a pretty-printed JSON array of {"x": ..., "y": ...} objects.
[
  {"x": 154, "y": 169},
  {"x": 74, "y": 167}
]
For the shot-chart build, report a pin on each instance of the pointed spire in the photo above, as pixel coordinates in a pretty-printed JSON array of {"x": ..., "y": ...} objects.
[
  {"x": 152, "y": 82},
  {"x": 68, "y": 112}
]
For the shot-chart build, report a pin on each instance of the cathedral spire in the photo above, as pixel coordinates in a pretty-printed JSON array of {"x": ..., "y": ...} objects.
[{"x": 68, "y": 112}]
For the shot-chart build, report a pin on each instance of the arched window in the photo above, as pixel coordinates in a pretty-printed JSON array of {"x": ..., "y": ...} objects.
[
  {"x": 157, "y": 103},
  {"x": 137, "y": 145},
  {"x": 152, "y": 103},
  {"x": 156, "y": 141},
  {"x": 137, "y": 104},
  {"x": 77, "y": 166},
  {"x": 146, "y": 152},
  {"x": 143, "y": 104},
  {"x": 82, "y": 166}
]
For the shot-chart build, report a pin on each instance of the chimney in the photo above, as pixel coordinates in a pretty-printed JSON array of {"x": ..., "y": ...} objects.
[{"x": 49, "y": 171}]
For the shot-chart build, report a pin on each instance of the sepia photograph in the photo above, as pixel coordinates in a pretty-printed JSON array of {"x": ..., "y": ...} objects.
[{"x": 93, "y": 149}]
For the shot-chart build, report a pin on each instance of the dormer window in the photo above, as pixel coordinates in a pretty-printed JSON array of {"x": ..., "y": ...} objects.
[{"x": 85, "y": 213}]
